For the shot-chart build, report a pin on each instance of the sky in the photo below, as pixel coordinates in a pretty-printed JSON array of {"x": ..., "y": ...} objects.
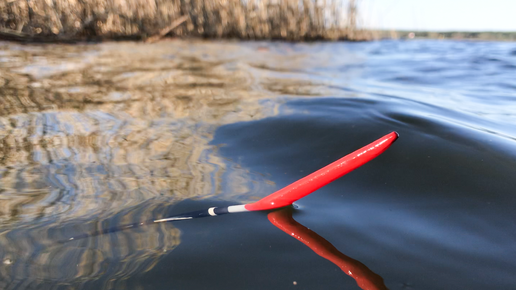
[{"x": 438, "y": 15}]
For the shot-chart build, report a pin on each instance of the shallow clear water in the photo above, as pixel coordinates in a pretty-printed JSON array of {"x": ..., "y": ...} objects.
[{"x": 93, "y": 136}]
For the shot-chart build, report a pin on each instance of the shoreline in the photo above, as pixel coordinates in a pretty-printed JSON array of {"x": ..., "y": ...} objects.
[
  {"x": 445, "y": 35},
  {"x": 359, "y": 36}
]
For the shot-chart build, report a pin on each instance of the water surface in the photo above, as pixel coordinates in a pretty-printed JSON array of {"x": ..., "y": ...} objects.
[{"x": 93, "y": 136}]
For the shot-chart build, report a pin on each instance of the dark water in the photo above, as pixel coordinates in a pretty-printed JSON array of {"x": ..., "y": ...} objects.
[{"x": 100, "y": 135}]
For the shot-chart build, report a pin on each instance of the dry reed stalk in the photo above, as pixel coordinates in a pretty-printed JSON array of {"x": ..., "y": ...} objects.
[{"x": 71, "y": 20}]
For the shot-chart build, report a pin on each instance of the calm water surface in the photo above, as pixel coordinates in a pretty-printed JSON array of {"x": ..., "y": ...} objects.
[{"x": 94, "y": 136}]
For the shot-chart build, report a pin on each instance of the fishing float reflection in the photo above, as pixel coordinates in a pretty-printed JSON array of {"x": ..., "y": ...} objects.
[
  {"x": 282, "y": 219},
  {"x": 365, "y": 278}
]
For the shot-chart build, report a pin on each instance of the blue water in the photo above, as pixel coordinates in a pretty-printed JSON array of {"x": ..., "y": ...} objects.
[{"x": 435, "y": 211}]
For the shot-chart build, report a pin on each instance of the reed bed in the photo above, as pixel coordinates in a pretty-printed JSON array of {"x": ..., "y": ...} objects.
[{"x": 71, "y": 20}]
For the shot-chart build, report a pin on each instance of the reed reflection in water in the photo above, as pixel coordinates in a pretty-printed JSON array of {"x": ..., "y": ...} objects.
[{"x": 93, "y": 136}]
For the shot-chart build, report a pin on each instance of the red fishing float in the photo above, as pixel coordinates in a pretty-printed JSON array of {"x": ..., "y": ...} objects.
[
  {"x": 287, "y": 195},
  {"x": 308, "y": 184}
]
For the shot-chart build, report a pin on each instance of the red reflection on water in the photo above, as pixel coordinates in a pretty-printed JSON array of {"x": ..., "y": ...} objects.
[{"x": 365, "y": 278}]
